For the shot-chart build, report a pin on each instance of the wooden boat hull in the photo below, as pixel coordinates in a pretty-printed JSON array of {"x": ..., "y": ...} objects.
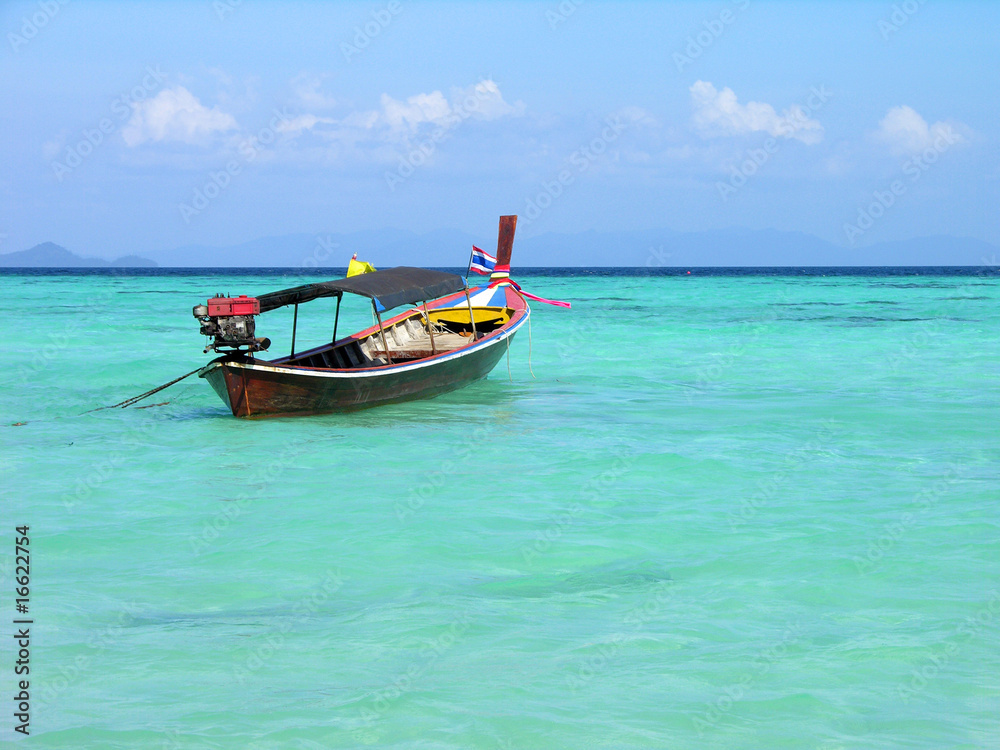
[{"x": 255, "y": 388}]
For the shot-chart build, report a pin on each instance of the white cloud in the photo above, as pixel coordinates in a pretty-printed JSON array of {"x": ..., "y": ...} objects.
[
  {"x": 481, "y": 101},
  {"x": 175, "y": 115},
  {"x": 302, "y": 122},
  {"x": 638, "y": 116},
  {"x": 306, "y": 88},
  {"x": 485, "y": 102},
  {"x": 394, "y": 127},
  {"x": 363, "y": 120},
  {"x": 904, "y": 131},
  {"x": 718, "y": 113},
  {"x": 417, "y": 109}
]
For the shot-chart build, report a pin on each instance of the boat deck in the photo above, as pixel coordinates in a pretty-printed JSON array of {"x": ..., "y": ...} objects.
[
  {"x": 407, "y": 341},
  {"x": 419, "y": 346}
]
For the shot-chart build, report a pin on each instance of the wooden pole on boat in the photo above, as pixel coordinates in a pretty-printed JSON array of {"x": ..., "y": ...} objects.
[
  {"x": 472, "y": 315},
  {"x": 295, "y": 324},
  {"x": 430, "y": 328},
  {"x": 381, "y": 330},
  {"x": 505, "y": 240},
  {"x": 336, "y": 317}
]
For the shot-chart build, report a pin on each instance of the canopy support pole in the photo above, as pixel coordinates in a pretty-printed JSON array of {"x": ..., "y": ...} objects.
[
  {"x": 295, "y": 325},
  {"x": 381, "y": 330},
  {"x": 336, "y": 318},
  {"x": 430, "y": 328},
  {"x": 472, "y": 315}
]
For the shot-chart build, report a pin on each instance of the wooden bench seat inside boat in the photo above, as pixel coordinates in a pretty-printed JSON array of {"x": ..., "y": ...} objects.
[{"x": 419, "y": 347}]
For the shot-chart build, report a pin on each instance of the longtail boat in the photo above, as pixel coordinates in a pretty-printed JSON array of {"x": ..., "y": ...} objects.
[{"x": 450, "y": 335}]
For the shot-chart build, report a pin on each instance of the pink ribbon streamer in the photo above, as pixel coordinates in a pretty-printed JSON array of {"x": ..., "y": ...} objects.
[
  {"x": 555, "y": 302},
  {"x": 523, "y": 293}
]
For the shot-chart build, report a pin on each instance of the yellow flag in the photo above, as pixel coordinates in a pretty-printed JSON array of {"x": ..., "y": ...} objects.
[{"x": 356, "y": 267}]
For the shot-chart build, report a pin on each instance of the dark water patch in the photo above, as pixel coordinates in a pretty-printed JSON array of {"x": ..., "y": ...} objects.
[
  {"x": 645, "y": 309},
  {"x": 871, "y": 320},
  {"x": 145, "y": 291},
  {"x": 260, "y": 618},
  {"x": 865, "y": 319},
  {"x": 201, "y": 413},
  {"x": 804, "y": 304},
  {"x": 965, "y": 298},
  {"x": 604, "y": 578},
  {"x": 928, "y": 285}
]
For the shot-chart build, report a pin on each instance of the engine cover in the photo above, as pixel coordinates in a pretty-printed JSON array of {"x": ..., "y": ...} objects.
[{"x": 226, "y": 306}]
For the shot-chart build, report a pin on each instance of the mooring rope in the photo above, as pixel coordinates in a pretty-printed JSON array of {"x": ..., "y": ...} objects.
[
  {"x": 135, "y": 399},
  {"x": 529, "y": 347},
  {"x": 509, "y": 376}
]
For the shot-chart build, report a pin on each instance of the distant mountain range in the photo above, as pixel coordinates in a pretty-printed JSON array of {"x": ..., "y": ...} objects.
[
  {"x": 51, "y": 255},
  {"x": 450, "y": 248}
]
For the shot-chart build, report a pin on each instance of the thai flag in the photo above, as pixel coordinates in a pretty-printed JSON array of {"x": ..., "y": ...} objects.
[{"x": 482, "y": 262}]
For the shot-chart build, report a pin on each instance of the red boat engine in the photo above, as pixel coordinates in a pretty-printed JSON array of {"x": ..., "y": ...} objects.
[{"x": 230, "y": 321}]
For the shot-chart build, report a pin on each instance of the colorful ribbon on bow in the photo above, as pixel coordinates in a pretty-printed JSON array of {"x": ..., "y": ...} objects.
[{"x": 523, "y": 293}]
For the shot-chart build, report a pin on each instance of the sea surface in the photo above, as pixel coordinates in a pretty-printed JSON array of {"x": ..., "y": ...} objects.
[{"x": 719, "y": 509}]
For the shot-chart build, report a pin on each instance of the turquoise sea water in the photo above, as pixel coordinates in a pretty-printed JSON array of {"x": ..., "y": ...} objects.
[{"x": 727, "y": 512}]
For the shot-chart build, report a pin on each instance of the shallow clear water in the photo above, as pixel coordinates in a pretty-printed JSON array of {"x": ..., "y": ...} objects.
[{"x": 754, "y": 511}]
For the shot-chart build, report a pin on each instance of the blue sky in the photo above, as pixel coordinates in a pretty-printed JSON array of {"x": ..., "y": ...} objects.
[{"x": 131, "y": 127}]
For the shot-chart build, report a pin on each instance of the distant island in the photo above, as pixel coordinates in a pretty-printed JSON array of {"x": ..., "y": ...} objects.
[
  {"x": 51, "y": 255},
  {"x": 648, "y": 248},
  {"x": 449, "y": 248}
]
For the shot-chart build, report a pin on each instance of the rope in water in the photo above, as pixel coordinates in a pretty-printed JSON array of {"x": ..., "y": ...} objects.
[
  {"x": 509, "y": 376},
  {"x": 135, "y": 399},
  {"x": 529, "y": 347}
]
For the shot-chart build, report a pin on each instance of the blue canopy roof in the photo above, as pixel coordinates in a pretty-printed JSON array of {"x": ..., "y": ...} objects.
[{"x": 390, "y": 288}]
